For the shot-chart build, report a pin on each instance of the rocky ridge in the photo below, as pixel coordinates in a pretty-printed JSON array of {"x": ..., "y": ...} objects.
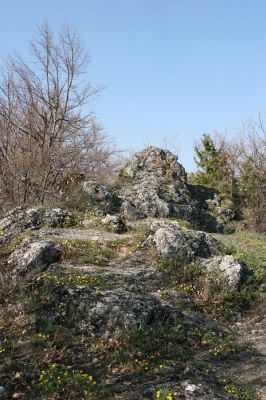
[{"x": 114, "y": 281}]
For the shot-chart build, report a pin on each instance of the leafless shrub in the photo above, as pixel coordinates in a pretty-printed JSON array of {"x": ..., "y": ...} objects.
[
  {"x": 246, "y": 159},
  {"x": 45, "y": 128}
]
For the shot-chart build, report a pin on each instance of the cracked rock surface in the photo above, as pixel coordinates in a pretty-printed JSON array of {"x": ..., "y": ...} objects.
[{"x": 156, "y": 186}]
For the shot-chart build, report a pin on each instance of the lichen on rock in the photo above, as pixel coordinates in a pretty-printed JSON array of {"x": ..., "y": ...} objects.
[
  {"x": 180, "y": 244},
  {"x": 229, "y": 267},
  {"x": 30, "y": 255},
  {"x": 20, "y": 218},
  {"x": 156, "y": 186}
]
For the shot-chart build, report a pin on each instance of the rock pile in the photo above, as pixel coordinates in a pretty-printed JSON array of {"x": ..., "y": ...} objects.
[{"x": 183, "y": 246}]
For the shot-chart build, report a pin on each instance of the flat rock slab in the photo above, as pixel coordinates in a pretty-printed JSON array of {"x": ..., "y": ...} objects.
[{"x": 85, "y": 234}]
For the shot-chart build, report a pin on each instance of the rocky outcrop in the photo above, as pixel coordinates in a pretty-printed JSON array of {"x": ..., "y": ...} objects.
[
  {"x": 30, "y": 255},
  {"x": 230, "y": 268},
  {"x": 110, "y": 308},
  {"x": 20, "y": 219},
  {"x": 106, "y": 315},
  {"x": 180, "y": 244},
  {"x": 114, "y": 223},
  {"x": 183, "y": 246},
  {"x": 96, "y": 191},
  {"x": 108, "y": 312},
  {"x": 155, "y": 186}
]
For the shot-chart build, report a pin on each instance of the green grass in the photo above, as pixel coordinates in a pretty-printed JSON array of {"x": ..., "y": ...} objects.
[
  {"x": 239, "y": 392},
  {"x": 146, "y": 348},
  {"x": 210, "y": 291},
  {"x": 153, "y": 348},
  {"x": 76, "y": 218},
  {"x": 249, "y": 246},
  {"x": 32, "y": 340},
  {"x": 217, "y": 344},
  {"x": 89, "y": 252}
]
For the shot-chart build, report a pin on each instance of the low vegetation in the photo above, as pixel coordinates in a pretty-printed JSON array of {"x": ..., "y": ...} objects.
[{"x": 210, "y": 292}]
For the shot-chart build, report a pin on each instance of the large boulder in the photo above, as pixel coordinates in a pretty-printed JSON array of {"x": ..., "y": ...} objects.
[
  {"x": 20, "y": 219},
  {"x": 181, "y": 244},
  {"x": 29, "y": 255},
  {"x": 230, "y": 267},
  {"x": 154, "y": 185}
]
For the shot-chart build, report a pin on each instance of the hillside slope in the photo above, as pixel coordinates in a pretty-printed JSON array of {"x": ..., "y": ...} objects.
[{"x": 134, "y": 305}]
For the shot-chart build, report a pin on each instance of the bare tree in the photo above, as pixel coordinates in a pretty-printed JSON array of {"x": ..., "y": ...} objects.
[
  {"x": 246, "y": 163},
  {"x": 45, "y": 130},
  {"x": 252, "y": 169}
]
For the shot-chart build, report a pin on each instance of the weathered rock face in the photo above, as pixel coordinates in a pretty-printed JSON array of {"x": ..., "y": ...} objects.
[
  {"x": 20, "y": 219},
  {"x": 230, "y": 267},
  {"x": 155, "y": 186},
  {"x": 183, "y": 245},
  {"x": 29, "y": 255},
  {"x": 110, "y": 311}
]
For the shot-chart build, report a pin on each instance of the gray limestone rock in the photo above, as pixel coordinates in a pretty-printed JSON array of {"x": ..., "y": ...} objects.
[
  {"x": 110, "y": 311},
  {"x": 180, "y": 244},
  {"x": 96, "y": 191},
  {"x": 31, "y": 254},
  {"x": 20, "y": 219},
  {"x": 226, "y": 214},
  {"x": 155, "y": 186},
  {"x": 230, "y": 267}
]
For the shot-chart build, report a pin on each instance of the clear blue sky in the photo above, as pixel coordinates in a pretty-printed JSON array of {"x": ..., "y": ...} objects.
[{"x": 170, "y": 67}]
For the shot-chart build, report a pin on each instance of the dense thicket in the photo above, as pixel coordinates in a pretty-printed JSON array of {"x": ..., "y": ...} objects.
[{"x": 237, "y": 168}]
